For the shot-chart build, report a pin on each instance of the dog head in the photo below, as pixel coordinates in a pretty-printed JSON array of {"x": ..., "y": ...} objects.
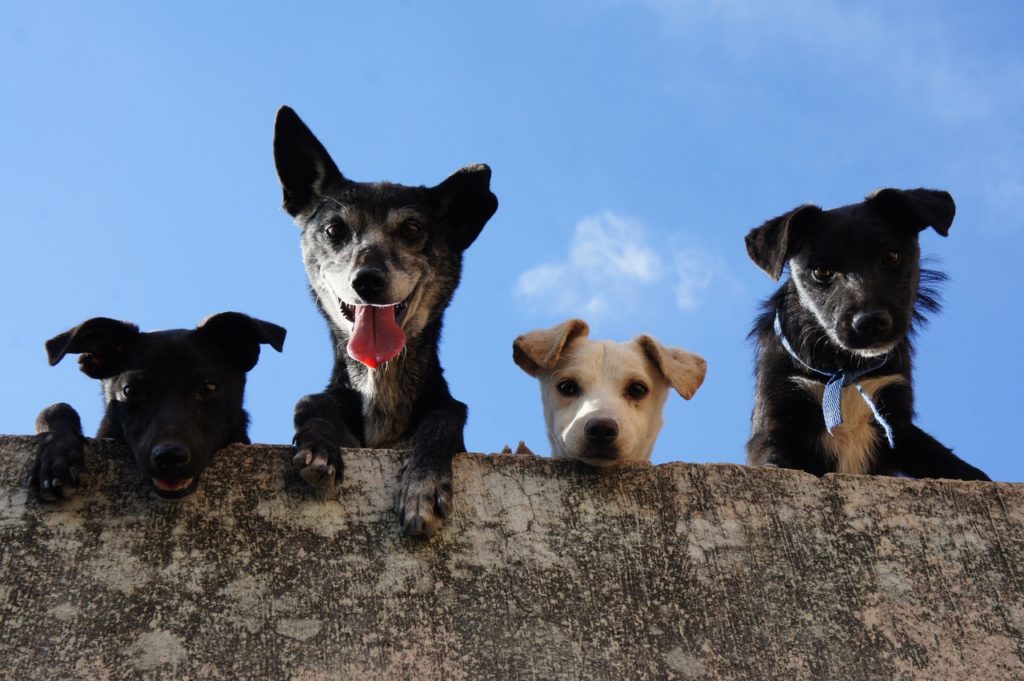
[
  {"x": 383, "y": 259},
  {"x": 856, "y": 268},
  {"x": 174, "y": 396},
  {"x": 603, "y": 400}
]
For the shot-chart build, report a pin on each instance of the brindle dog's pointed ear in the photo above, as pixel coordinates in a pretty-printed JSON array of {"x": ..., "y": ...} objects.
[
  {"x": 240, "y": 336},
  {"x": 466, "y": 204},
  {"x": 683, "y": 370},
  {"x": 917, "y": 208},
  {"x": 770, "y": 244},
  {"x": 304, "y": 167},
  {"x": 104, "y": 345},
  {"x": 539, "y": 351}
]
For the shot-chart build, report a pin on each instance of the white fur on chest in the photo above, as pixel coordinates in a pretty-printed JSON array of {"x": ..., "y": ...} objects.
[
  {"x": 852, "y": 444},
  {"x": 383, "y": 400}
]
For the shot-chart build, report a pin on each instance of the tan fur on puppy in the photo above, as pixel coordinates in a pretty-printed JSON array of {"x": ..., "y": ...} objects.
[{"x": 603, "y": 400}]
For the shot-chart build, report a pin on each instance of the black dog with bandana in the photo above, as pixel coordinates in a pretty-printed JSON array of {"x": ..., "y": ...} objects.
[{"x": 834, "y": 348}]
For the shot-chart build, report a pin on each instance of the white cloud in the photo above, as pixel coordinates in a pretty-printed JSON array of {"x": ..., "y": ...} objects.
[
  {"x": 695, "y": 271},
  {"x": 612, "y": 268},
  {"x": 613, "y": 245}
]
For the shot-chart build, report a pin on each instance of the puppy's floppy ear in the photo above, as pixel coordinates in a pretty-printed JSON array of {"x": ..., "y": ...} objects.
[
  {"x": 103, "y": 343},
  {"x": 466, "y": 203},
  {"x": 304, "y": 167},
  {"x": 539, "y": 351},
  {"x": 917, "y": 208},
  {"x": 769, "y": 245},
  {"x": 240, "y": 336},
  {"x": 684, "y": 370}
]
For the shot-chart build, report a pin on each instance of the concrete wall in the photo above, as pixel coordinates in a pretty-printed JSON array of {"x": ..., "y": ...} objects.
[{"x": 546, "y": 571}]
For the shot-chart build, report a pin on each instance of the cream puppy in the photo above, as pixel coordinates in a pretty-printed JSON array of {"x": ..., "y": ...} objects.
[{"x": 603, "y": 400}]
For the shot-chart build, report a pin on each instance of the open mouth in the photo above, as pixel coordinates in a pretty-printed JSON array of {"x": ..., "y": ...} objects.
[
  {"x": 174, "y": 489},
  {"x": 349, "y": 311},
  {"x": 377, "y": 336},
  {"x": 874, "y": 350}
]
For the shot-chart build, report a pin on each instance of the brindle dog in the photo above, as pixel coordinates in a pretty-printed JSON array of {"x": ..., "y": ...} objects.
[{"x": 383, "y": 262}]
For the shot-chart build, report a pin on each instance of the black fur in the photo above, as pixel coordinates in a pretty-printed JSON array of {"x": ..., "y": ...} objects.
[
  {"x": 174, "y": 397},
  {"x": 847, "y": 303},
  {"x": 381, "y": 244}
]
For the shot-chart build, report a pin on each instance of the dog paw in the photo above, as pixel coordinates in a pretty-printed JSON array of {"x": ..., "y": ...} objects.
[
  {"x": 318, "y": 454},
  {"x": 317, "y": 471},
  {"x": 424, "y": 502},
  {"x": 59, "y": 463}
]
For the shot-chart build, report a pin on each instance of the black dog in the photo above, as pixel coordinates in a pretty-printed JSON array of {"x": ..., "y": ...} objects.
[
  {"x": 383, "y": 262},
  {"x": 834, "y": 342},
  {"x": 174, "y": 397}
]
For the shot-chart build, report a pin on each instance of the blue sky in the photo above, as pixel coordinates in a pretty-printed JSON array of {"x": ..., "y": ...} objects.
[{"x": 633, "y": 144}]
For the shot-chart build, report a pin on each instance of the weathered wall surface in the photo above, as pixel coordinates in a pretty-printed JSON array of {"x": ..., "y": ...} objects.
[{"x": 546, "y": 571}]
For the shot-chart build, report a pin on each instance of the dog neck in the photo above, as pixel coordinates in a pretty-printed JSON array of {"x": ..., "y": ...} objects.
[{"x": 832, "y": 396}]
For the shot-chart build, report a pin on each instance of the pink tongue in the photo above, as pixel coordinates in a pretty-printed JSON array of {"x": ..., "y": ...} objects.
[{"x": 376, "y": 337}]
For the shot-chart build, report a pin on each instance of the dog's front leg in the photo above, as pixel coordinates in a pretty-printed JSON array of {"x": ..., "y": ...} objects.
[
  {"x": 779, "y": 437},
  {"x": 425, "y": 495},
  {"x": 762, "y": 450},
  {"x": 320, "y": 433},
  {"x": 60, "y": 453},
  {"x": 920, "y": 455}
]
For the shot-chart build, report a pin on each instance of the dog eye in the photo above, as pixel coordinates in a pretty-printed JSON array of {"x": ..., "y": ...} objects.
[
  {"x": 335, "y": 230},
  {"x": 410, "y": 230},
  {"x": 128, "y": 391},
  {"x": 822, "y": 275},
  {"x": 208, "y": 389},
  {"x": 569, "y": 388},
  {"x": 891, "y": 258},
  {"x": 636, "y": 390}
]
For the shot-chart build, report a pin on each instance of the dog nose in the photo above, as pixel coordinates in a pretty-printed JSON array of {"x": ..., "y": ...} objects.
[
  {"x": 872, "y": 324},
  {"x": 370, "y": 283},
  {"x": 167, "y": 457},
  {"x": 601, "y": 430}
]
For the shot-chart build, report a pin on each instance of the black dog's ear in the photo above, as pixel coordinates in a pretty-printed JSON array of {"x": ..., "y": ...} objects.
[
  {"x": 917, "y": 208},
  {"x": 769, "y": 245},
  {"x": 303, "y": 165},
  {"x": 466, "y": 203},
  {"x": 240, "y": 336},
  {"x": 103, "y": 343}
]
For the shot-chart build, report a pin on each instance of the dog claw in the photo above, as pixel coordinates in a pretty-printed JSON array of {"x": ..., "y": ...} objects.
[
  {"x": 303, "y": 458},
  {"x": 414, "y": 526},
  {"x": 442, "y": 507}
]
